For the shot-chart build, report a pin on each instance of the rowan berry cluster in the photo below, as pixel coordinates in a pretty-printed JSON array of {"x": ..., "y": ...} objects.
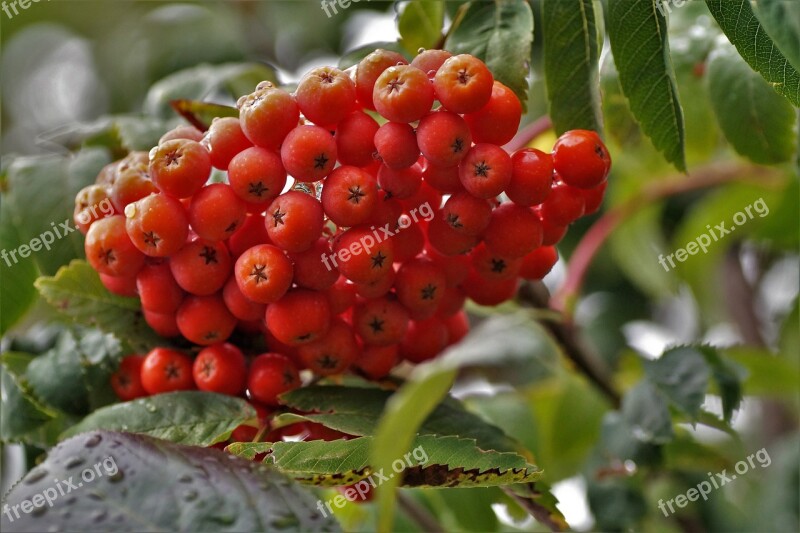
[{"x": 363, "y": 148}]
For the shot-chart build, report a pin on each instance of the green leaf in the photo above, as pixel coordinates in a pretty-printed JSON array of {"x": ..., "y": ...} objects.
[
  {"x": 765, "y": 374},
  {"x": 420, "y": 24},
  {"x": 16, "y": 279},
  {"x": 728, "y": 376},
  {"x": 185, "y": 417},
  {"x": 139, "y": 483},
  {"x": 571, "y": 56},
  {"x": 434, "y": 461},
  {"x": 223, "y": 83},
  {"x": 77, "y": 292},
  {"x": 682, "y": 374},
  {"x": 638, "y": 35},
  {"x": 500, "y": 33},
  {"x": 357, "y": 410},
  {"x": 517, "y": 346},
  {"x": 74, "y": 375},
  {"x": 744, "y": 31},
  {"x": 781, "y": 19},
  {"x": 20, "y": 411},
  {"x": 40, "y": 197},
  {"x": 644, "y": 409},
  {"x": 202, "y": 114},
  {"x": 758, "y": 122}
]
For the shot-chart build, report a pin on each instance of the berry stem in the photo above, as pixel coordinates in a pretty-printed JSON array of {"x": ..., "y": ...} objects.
[
  {"x": 566, "y": 296},
  {"x": 528, "y": 133}
]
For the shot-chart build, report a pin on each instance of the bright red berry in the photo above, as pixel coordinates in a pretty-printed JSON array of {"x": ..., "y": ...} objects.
[
  {"x": 109, "y": 248},
  {"x": 513, "y": 231},
  {"x": 467, "y": 214},
  {"x": 355, "y": 139},
  {"x": 368, "y": 71},
  {"x": 396, "y": 144},
  {"x": 179, "y": 168},
  {"x": 158, "y": 290},
  {"x": 271, "y": 374},
  {"x": 300, "y": 317},
  {"x": 496, "y": 122},
  {"x": 333, "y": 353},
  {"x": 220, "y": 368},
  {"x": 463, "y": 84},
  {"x": 127, "y": 380},
  {"x": 201, "y": 267},
  {"x": 263, "y": 273},
  {"x": 157, "y": 225},
  {"x": 538, "y": 263},
  {"x": 205, "y": 320},
  {"x": 268, "y": 115},
  {"x": 257, "y": 175},
  {"x": 294, "y": 221},
  {"x": 326, "y": 95},
  {"x": 581, "y": 159},
  {"x": 429, "y": 61},
  {"x": 309, "y": 153},
  {"x": 349, "y": 196},
  {"x": 165, "y": 370},
  {"x": 216, "y": 212},
  {"x": 485, "y": 171},
  {"x": 424, "y": 340},
  {"x": 420, "y": 286},
  {"x": 403, "y": 94},
  {"x": 444, "y": 138},
  {"x": 531, "y": 177},
  {"x": 224, "y": 139},
  {"x": 381, "y": 321}
]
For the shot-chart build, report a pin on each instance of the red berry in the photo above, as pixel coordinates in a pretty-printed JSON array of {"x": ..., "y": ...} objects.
[
  {"x": 452, "y": 302},
  {"x": 157, "y": 225},
  {"x": 165, "y": 370},
  {"x": 420, "y": 287},
  {"x": 201, "y": 267},
  {"x": 463, "y": 84},
  {"x": 368, "y": 71},
  {"x": 408, "y": 241},
  {"x": 403, "y": 94},
  {"x": 424, "y": 340},
  {"x": 341, "y": 295},
  {"x": 164, "y": 324},
  {"x": 539, "y": 262},
  {"x": 309, "y": 153},
  {"x": 396, "y": 144},
  {"x": 485, "y": 171},
  {"x": 180, "y": 168},
  {"x": 513, "y": 231},
  {"x": 355, "y": 142},
  {"x": 268, "y": 115},
  {"x": 349, "y": 196},
  {"x": 444, "y": 138},
  {"x": 205, "y": 320},
  {"x": 127, "y": 380},
  {"x": 381, "y": 321},
  {"x": 301, "y": 316},
  {"x": 363, "y": 254},
  {"x": 447, "y": 241},
  {"x": 263, "y": 273},
  {"x": 400, "y": 183},
  {"x": 493, "y": 266},
  {"x": 252, "y": 232},
  {"x": 182, "y": 132},
  {"x": 158, "y": 290},
  {"x": 429, "y": 61},
  {"x": 466, "y": 214},
  {"x": 216, "y": 212},
  {"x": 257, "y": 175},
  {"x": 310, "y": 271},
  {"x": 581, "y": 159},
  {"x": 294, "y": 221},
  {"x": 224, "y": 139},
  {"x": 378, "y": 287},
  {"x": 220, "y": 368},
  {"x": 488, "y": 292},
  {"x": 376, "y": 362},
  {"x": 240, "y": 305},
  {"x": 457, "y": 327},
  {"x": 455, "y": 267},
  {"x": 593, "y": 198},
  {"x": 325, "y": 95},
  {"x": 564, "y": 205},
  {"x": 91, "y": 204},
  {"x": 443, "y": 179},
  {"x": 496, "y": 122},
  {"x": 551, "y": 233},
  {"x": 121, "y": 286},
  {"x": 332, "y": 353},
  {"x": 109, "y": 249},
  {"x": 531, "y": 177},
  {"x": 130, "y": 185},
  {"x": 271, "y": 374}
]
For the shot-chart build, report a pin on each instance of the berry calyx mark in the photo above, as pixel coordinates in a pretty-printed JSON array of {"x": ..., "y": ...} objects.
[
  {"x": 463, "y": 76},
  {"x": 257, "y": 188},
  {"x": 211, "y": 335},
  {"x": 428, "y": 291},
  {"x": 326, "y": 361},
  {"x": 277, "y": 217},
  {"x": 231, "y": 228},
  {"x": 288, "y": 378},
  {"x": 453, "y": 220},
  {"x": 395, "y": 85},
  {"x": 172, "y": 370},
  {"x": 107, "y": 256},
  {"x": 258, "y": 273},
  {"x": 207, "y": 369},
  {"x": 356, "y": 194},
  {"x": 326, "y": 77},
  {"x": 378, "y": 259},
  {"x": 173, "y": 158},
  {"x": 376, "y": 325},
  {"x": 151, "y": 239},
  {"x": 209, "y": 255},
  {"x": 482, "y": 169},
  {"x": 320, "y": 161},
  {"x": 498, "y": 265},
  {"x": 458, "y": 145},
  {"x": 599, "y": 151}
]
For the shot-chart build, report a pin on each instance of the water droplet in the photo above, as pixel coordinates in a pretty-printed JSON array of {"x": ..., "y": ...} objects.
[
  {"x": 94, "y": 495},
  {"x": 116, "y": 476},
  {"x": 35, "y": 475},
  {"x": 185, "y": 478},
  {"x": 124, "y": 428},
  {"x": 190, "y": 495},
  {"x": 72, "y": 462},
  {"x": 151, "y": 408},
  {"x": 93, "y": 440},
  {"x": 99, "y": 515},
  {"x": 53, "y": 528}
]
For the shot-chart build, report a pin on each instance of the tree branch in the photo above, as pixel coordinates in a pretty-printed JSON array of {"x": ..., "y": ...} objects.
[
  {"x": 528, "y": 133},
  {"x": 418, "y": 514}
]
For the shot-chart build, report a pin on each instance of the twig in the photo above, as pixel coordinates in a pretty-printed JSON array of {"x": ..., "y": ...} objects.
[
  {"x": 539, "y": 512},
  {"x": 528, "y": 133},
  {"x": 567, "y": 335},
  {"x": 740, "y": 297},
  {"x": 702, "y": 178},
  {"x": 419, "y": 514}
]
